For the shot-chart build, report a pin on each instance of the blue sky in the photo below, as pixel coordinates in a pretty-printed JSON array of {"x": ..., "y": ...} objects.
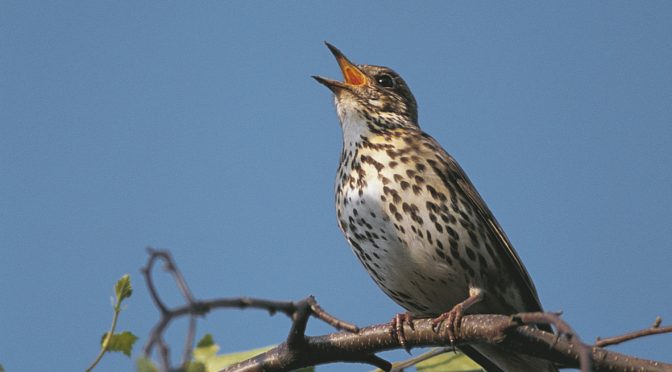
[{"x": 197, "y": 128}]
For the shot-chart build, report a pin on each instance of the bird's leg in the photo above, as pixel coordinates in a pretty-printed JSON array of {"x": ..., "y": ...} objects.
[
  {"x": 397, "y": 328},
  {"x": 453, "y": 318}
]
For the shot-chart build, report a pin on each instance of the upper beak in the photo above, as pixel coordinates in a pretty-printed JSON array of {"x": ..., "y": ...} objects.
[{"x": 352, "y": 75}]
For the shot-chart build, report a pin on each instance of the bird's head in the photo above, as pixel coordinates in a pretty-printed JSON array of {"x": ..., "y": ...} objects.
[{"x": 376, "y": 94}]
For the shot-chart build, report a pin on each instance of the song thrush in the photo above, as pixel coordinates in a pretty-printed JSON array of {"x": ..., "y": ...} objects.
[{"x": 414, "y": 219}]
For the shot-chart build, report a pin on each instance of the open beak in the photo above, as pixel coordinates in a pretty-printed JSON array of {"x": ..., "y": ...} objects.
[{"x": 352, "y": 75}]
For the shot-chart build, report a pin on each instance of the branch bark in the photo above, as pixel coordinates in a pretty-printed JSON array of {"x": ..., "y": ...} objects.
[
  {"x": 357, "y": 345},
  {"x": 493, "y": 329}
]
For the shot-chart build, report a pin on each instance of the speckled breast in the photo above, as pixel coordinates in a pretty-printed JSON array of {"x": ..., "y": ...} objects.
[{"x": 383, "y": 212}]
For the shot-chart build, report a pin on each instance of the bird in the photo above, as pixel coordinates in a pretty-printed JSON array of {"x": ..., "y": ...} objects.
[{"x": 414, "y": 219}]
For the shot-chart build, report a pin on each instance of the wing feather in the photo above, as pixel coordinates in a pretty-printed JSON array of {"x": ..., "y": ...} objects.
[{"x": 520, "y": 274}]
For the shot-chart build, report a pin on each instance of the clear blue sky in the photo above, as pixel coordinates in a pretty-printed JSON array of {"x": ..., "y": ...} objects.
[{"x": 196, "y": 127}]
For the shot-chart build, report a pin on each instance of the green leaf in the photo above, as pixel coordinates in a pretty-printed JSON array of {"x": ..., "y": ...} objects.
[
  {"x": 2, "y": 369},
  {"x": 450, "y": 361},
  {"x": 206, "y": 353},
  {"x": 196, "y": 367},
  {"x": 206, "y": 341},
  {"x": 123, "y": 288},
  {"x": 144, "y": 364},
  {"x": 122, "y": 342}
]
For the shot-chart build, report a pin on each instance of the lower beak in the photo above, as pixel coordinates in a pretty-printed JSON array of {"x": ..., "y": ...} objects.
[
  {"x": 352, "y": 75},
  {"x": 334, "y": 85}
]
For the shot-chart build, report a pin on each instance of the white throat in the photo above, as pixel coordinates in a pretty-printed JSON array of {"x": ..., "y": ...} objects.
[{"x": 354, "y": 126}]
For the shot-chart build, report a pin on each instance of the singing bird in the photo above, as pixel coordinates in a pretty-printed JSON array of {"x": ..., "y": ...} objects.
[{"x": 416, "y": 222}]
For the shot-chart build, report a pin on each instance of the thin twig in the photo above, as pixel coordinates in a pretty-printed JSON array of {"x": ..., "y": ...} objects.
[
  {"x": 655, "y": 329},
  {"x": 189, "y": 341},
  {"x": 563, "y": 328},
  {"x": 146, "y": 272},
  {"x": 330, "y": 319},
  {"x": 105, "y": 345},
  {"x": 299, "y": 311}
]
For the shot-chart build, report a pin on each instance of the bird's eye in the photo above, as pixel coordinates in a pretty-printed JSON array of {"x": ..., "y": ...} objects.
[{"x": 385, "y": 81}]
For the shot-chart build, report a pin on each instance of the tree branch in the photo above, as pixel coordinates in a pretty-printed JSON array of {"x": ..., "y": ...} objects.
[
  {"x": 504, "y": 331},
  {"x": 356, "y": 345},
  {"x": 299, "y": 311}
]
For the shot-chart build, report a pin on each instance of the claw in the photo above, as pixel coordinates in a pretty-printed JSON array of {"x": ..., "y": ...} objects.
[
  {"x": 397, "y": 329},
  {"x": 453, "y": 320}
]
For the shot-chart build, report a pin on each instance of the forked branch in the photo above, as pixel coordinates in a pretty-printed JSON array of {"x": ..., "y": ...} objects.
[{"x": 355, "y": 345}]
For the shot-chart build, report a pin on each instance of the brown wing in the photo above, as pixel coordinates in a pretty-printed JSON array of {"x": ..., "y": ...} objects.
[{"x": 509, "y": 255}]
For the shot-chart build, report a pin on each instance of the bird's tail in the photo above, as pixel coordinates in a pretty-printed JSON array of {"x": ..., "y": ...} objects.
[{"x": 495, "y": 359}]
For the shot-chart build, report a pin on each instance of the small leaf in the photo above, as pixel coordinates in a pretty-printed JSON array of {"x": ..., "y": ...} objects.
[
  {"x": 213, "y": 362},
  {"x": 450, "y": 361},
  {"x": 196, "y": 367},
  {"x": 206, "y": 341},
  {"x": 206, "y": 353},
  {"x": 144, "y": 364},
  {"x": 122, "y": 342},
  {"x": 123, "y": 288}
]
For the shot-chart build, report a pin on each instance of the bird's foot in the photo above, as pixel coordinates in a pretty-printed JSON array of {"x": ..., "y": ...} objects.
[
  {"x": 397, "y": 328},
  {"x": 452, "y": 320}
]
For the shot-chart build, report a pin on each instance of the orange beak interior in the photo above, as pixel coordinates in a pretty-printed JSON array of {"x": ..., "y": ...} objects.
[{"x": 351, "y": 74}]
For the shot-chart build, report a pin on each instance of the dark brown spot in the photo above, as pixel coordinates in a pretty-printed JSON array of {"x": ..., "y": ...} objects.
[
  {"x": 453, "y": 251},
  {"x": 470, "y": 253},
  {"x": 372, "y": 161},
  {"x": 466, "y": 224},
  {"x": 482, "y": 262},
  {"x": 420, "y": 167},
  {"x": 473, "y": 237},
  {"x": 432, "y": 192},
  {"x": 453, "y": 234}
]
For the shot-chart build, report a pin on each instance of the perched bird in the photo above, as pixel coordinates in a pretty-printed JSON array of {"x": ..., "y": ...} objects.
[{"x": 414, "y": 219}]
